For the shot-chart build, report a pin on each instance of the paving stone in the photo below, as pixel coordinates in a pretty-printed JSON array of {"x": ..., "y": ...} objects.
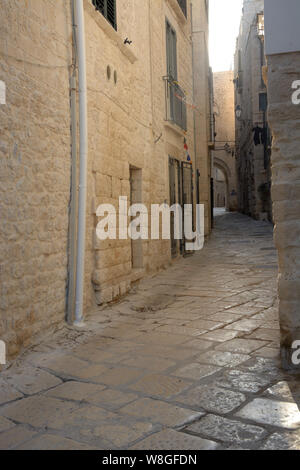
[
  {"x": 149, "y": 362},
  {"x": 120, "y": 348},
  {"x": 267, "y": 352},
  {"x": 36, "y": 410},
  {"x": 14, "y": 437},
  {"x": 163, "y": 338},
  {"x": 92, "y": 372},
  {"x": 245, "y": 310},
  {"x": 53, "y": 442},
  {"x": 117, "y": 376},
  {"x": 266, "y": 334},
  {"x": 66, "y": 366},
  {"x": 243, "y": 381},
  {"x": 226, "y": 317},
  {"x": 5, "y": 424},
  {"x": 195, "y": 371},
  {"x": 265, "y": 366},
  {"x": 121, "y": 435},
  {"x": 284, "y": 390},
  {"x": 227, "y": 430},
  {"x": 8, "y": 393},
  {"x": 97, "y": 356},
  {"x": 205, "y": 325},
  {"x": 78, "y": 391},
  {"x": 245, "y": 325},
  {"x": 181, "y": 330},
  {"x": 111, "y": 399},
  {"x": 167, "y": 352},
  {"x": 31, "y": 380},
  {"x": 276, "y": 413},
  {"x": 160, "y": 385},
  {"x": 168, "y": 439},
  {"x": 283, "y": 441},
  {"x": 160, "y": 412},
  {"x": 240, "y": 345},
  {"x": 219, "y": 335},
  {"x": 183, "y": 316},
  {"x": 212, "y": 398},
  {"x": 200, "y": 344},
  {"x": 87, "y": 418},
  {"x": 223, "y": 358}
]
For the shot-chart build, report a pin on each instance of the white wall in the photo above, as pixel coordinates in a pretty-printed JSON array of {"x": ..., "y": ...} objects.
[{"x": 282, "y": 26}]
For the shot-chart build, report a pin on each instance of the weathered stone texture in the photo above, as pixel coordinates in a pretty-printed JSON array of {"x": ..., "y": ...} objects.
[
  {"x": 283, "y": 70},
  {"x": 35, "y": 166},
  {"x": 126, "y": 117}
]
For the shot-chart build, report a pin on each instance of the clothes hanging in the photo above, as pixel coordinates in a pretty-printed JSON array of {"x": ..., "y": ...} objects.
[{"x": 257, "y": 135}]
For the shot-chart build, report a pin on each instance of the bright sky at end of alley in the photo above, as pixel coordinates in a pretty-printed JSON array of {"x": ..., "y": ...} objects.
[{"x": 225, "y": 16}]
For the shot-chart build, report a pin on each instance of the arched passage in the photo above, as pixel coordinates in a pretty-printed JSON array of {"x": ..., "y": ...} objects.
[{"x": 222, "y": 174}]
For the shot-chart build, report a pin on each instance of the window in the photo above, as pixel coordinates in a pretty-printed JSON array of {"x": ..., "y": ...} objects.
[
  {"x": 171, "y": 52},
  {"x": 108, "y": 10},
  {"x": 175, "y": 96},
  {"x": 182, "y": 4}
]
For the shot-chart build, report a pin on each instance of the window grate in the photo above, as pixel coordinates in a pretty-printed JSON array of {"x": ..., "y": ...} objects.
[
  {"x": 108, "y": 10},
  {"x": 182, "y": 4}
]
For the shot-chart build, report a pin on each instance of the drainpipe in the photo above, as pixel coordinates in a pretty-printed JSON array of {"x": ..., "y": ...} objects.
[
  {"x": 73, "y": 200},
  {"x": 193, "y": 67},
  {"x": 83, "y": 153}
]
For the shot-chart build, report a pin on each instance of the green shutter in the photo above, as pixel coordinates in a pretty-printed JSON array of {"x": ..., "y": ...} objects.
[{"x": 171, "y": 51}]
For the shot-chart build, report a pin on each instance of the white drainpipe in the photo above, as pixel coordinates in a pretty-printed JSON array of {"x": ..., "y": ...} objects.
[{"x": 83, "y": 154}]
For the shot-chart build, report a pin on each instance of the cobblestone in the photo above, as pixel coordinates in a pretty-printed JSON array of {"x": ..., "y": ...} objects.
[{"x": 188, "y": 360}]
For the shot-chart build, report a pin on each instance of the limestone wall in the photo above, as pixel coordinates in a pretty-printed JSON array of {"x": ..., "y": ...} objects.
[
  {"x": 36, "y": 55},
  {"x": 202, "y": 101},
  {"x": 127, "y": 131},
  {"x": 284, "y": 118}
]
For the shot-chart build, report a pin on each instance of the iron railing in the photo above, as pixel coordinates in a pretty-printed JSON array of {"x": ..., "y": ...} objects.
[
  {"x": 108, "y": 10},
  {"x": 175, "y": 103}
]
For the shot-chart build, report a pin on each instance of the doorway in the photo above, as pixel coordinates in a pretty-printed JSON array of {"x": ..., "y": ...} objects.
[{"x": 181, "y": 192}]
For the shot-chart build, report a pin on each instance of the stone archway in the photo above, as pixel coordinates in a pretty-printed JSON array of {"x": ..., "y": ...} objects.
[
  {"x": 220, "y": 161},
  {"x": 221, "y": 165}
]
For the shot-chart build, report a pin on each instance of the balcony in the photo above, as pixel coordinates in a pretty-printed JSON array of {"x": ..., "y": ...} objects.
[{"x": 175, "y": 103}]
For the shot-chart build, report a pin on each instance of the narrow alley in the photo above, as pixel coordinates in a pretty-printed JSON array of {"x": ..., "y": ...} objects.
[{"x": 189, "y": 360}]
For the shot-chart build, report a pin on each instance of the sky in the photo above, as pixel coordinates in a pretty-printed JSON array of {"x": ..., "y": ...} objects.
[{"x": 225, "y": 16}]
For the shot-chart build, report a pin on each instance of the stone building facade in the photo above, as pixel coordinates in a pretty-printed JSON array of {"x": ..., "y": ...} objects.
[
  {"x": 252, "y": 131},
  {"x": 147, "y": 130},
  {"x": 224, "y": 153},
  {"x": 283, "y": 81}
]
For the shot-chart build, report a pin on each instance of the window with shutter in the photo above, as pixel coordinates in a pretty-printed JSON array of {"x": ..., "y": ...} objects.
[
  {"x": 108, "y": 10},
  {"x": 171, "y": 52}
]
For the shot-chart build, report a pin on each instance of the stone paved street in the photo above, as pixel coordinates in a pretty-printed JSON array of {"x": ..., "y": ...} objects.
[{"x": 189, "y": 360}]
